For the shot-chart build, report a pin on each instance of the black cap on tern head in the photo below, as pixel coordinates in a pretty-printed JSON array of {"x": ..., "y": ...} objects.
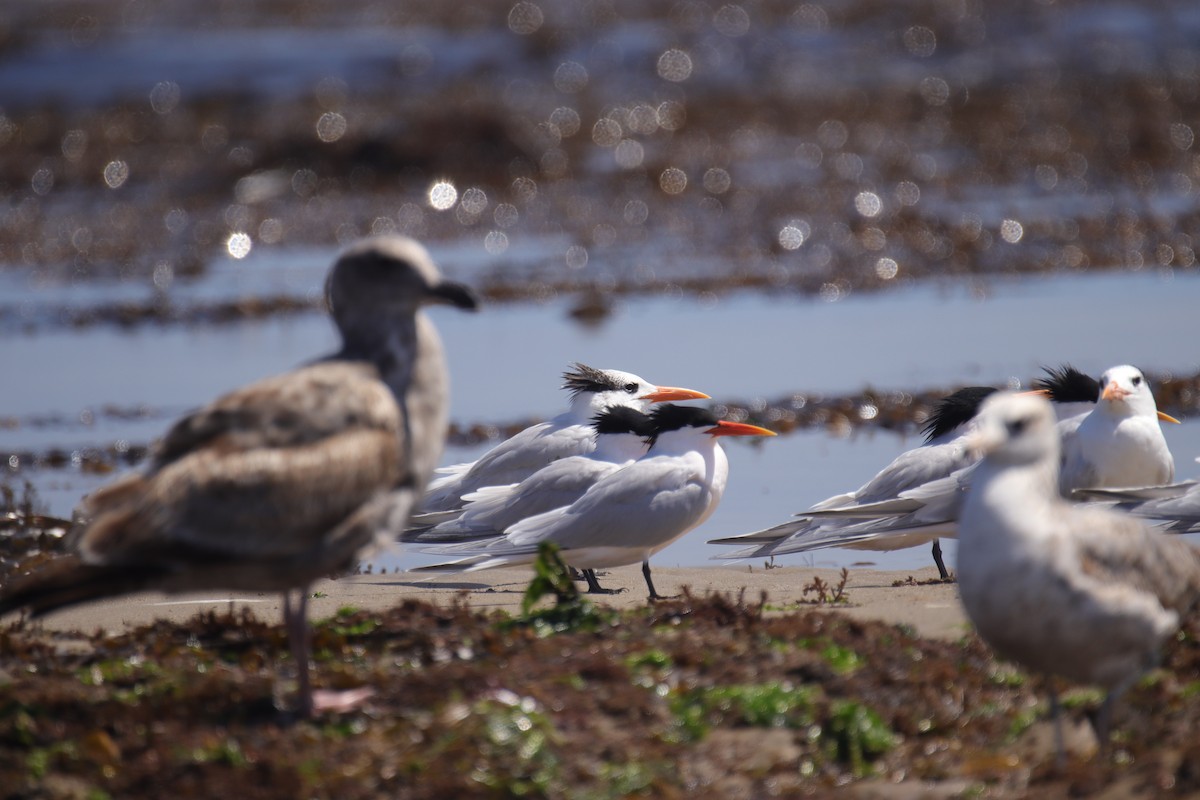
[
  {"x": 670, "y": 417},
  {"x": 954, "y": 410},
  {"x": 623, "y": 419},
  {"x": 582, "y": 378},
  {"x": 1068, "y": 385}
]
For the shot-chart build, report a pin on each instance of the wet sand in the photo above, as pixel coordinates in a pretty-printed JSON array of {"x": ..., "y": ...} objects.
[{"x": 931, "y": 610}]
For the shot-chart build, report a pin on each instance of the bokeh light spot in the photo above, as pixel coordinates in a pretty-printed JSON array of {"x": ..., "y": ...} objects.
[
  {"x": 1182, "y": 136},
  {"x": 496, "y": 242},
  {"x": 565, "y": 121},
  {"x": 793, "y": 235},
  {"x": 42, "y": 181},
  {"x": 331, "y": 126},
  {"x": 920, "y": 41},
  {"x": 671, "y": 115},
  {"x": 1011, "y": 231},
  {"x": 935, "y": 91},
  {"x": 717, "y": 181},
  {"x": 74, "y": 144},
  {"x": 525, "y": 18},
  {"x": 115, "y": 174},
  {"x": 732, "y": 21},
  {"x": 673, "y": 180},
  {"x": 629, "y": 154},
  {"x": 606, "y": 132},
  {"x": 675, "y": 66},
  {"x": 443, "y": 195},
  {"x": 474, "y": 200},
  {"x": 164, "y": 97},
  {"x": 577, "y": 256},
  {"x": 886, "y": 268},
  {"x": 238, "y": 245},
  {"x": 570, "y": 77},
  {"x": 868, "y": 204}
]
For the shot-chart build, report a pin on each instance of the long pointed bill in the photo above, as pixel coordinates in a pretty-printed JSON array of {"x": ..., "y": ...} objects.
[
  {"x": 1165, "y": 417},
  {"x": 1036, "y": 392},
  {"x": 727, "y": 428},
  {"x": 662, "y": 394}
]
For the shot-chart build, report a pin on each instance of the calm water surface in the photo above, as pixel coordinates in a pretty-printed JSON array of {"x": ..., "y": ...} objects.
[{"x": 506, "y": 364}]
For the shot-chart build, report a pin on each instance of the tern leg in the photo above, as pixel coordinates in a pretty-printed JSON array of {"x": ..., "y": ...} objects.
[
  {"x": 650, "y": 584},
  {"x": 594, "y": 586},
  {"x": 943, "y": 573}
]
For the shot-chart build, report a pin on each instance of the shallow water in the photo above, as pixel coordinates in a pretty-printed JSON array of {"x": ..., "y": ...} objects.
[{"x": 507, "y": 360}]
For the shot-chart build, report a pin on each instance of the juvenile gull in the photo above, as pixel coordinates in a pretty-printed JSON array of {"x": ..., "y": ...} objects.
[
  {"x": 568, "y": 434},
  {"x": 284, "y": 481},
  {"x": 1063, "y": 589},
  {"x": 633, "y": 512}
]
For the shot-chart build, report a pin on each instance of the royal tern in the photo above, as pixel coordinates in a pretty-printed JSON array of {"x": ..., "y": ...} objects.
[
  {"x": 927, "y": 511},
  {"x": 568, "y": 434},
  {"x": 621, "y": 435},
  {"x": 942, "y": 454},
  {"x": 1172, "y": 507},
  {"x": 632, "y": 513},
  {"x": 284, "y": 481},
  {"x": 1120, "y": 443},
  {"x": 1063, "y": 589}
]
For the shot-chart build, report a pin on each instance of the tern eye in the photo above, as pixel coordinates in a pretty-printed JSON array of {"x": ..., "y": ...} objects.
[
  {"x": 1137, "y": 380},
  {"x": 631, "y": 387}
]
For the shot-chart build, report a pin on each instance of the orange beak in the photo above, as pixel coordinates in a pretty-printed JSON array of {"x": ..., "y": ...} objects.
[
  {"x": 727, "y": 428},
  {"x": 1114, "y": 392},
  {"x": 662, "y": 394},
  {"x": 1037, "y": 392},
  {"x": 1165, "y": 417}
]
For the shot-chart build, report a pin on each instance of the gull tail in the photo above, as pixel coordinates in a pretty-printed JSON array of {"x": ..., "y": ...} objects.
[{"x": 68, "y": 581}]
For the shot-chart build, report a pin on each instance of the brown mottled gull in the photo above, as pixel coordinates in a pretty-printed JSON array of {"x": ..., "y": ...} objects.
[
  {"x": 283, "y": 481},
  {"x": 1062, "y": 589}
]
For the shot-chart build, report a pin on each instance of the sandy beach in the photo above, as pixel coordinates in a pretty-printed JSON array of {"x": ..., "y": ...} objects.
[{"x": 932, "y": 610}]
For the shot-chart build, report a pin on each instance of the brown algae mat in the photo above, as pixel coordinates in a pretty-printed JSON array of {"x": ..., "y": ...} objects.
[{"x": 722, "y": 695}]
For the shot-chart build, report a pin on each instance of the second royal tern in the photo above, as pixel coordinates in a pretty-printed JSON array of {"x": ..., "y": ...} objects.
[
  {"x": 621, "y": 435},
  {"x": 632, "y": 513},
  {"x": 1173, "y": 507},
  {"x": 1120, "y": 443},
  {"x": 568, "y": 434},
  {"x": 926, "y": 511},
  {"x": 942, "y": 454},
  {"x": 278, "y": 484},
  {"x": 1060, "y": 588}
]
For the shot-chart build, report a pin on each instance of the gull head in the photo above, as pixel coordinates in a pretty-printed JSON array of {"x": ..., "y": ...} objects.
[
  {"x": 1015, "y": 429},
  {"x": 383, "y": 275}
]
